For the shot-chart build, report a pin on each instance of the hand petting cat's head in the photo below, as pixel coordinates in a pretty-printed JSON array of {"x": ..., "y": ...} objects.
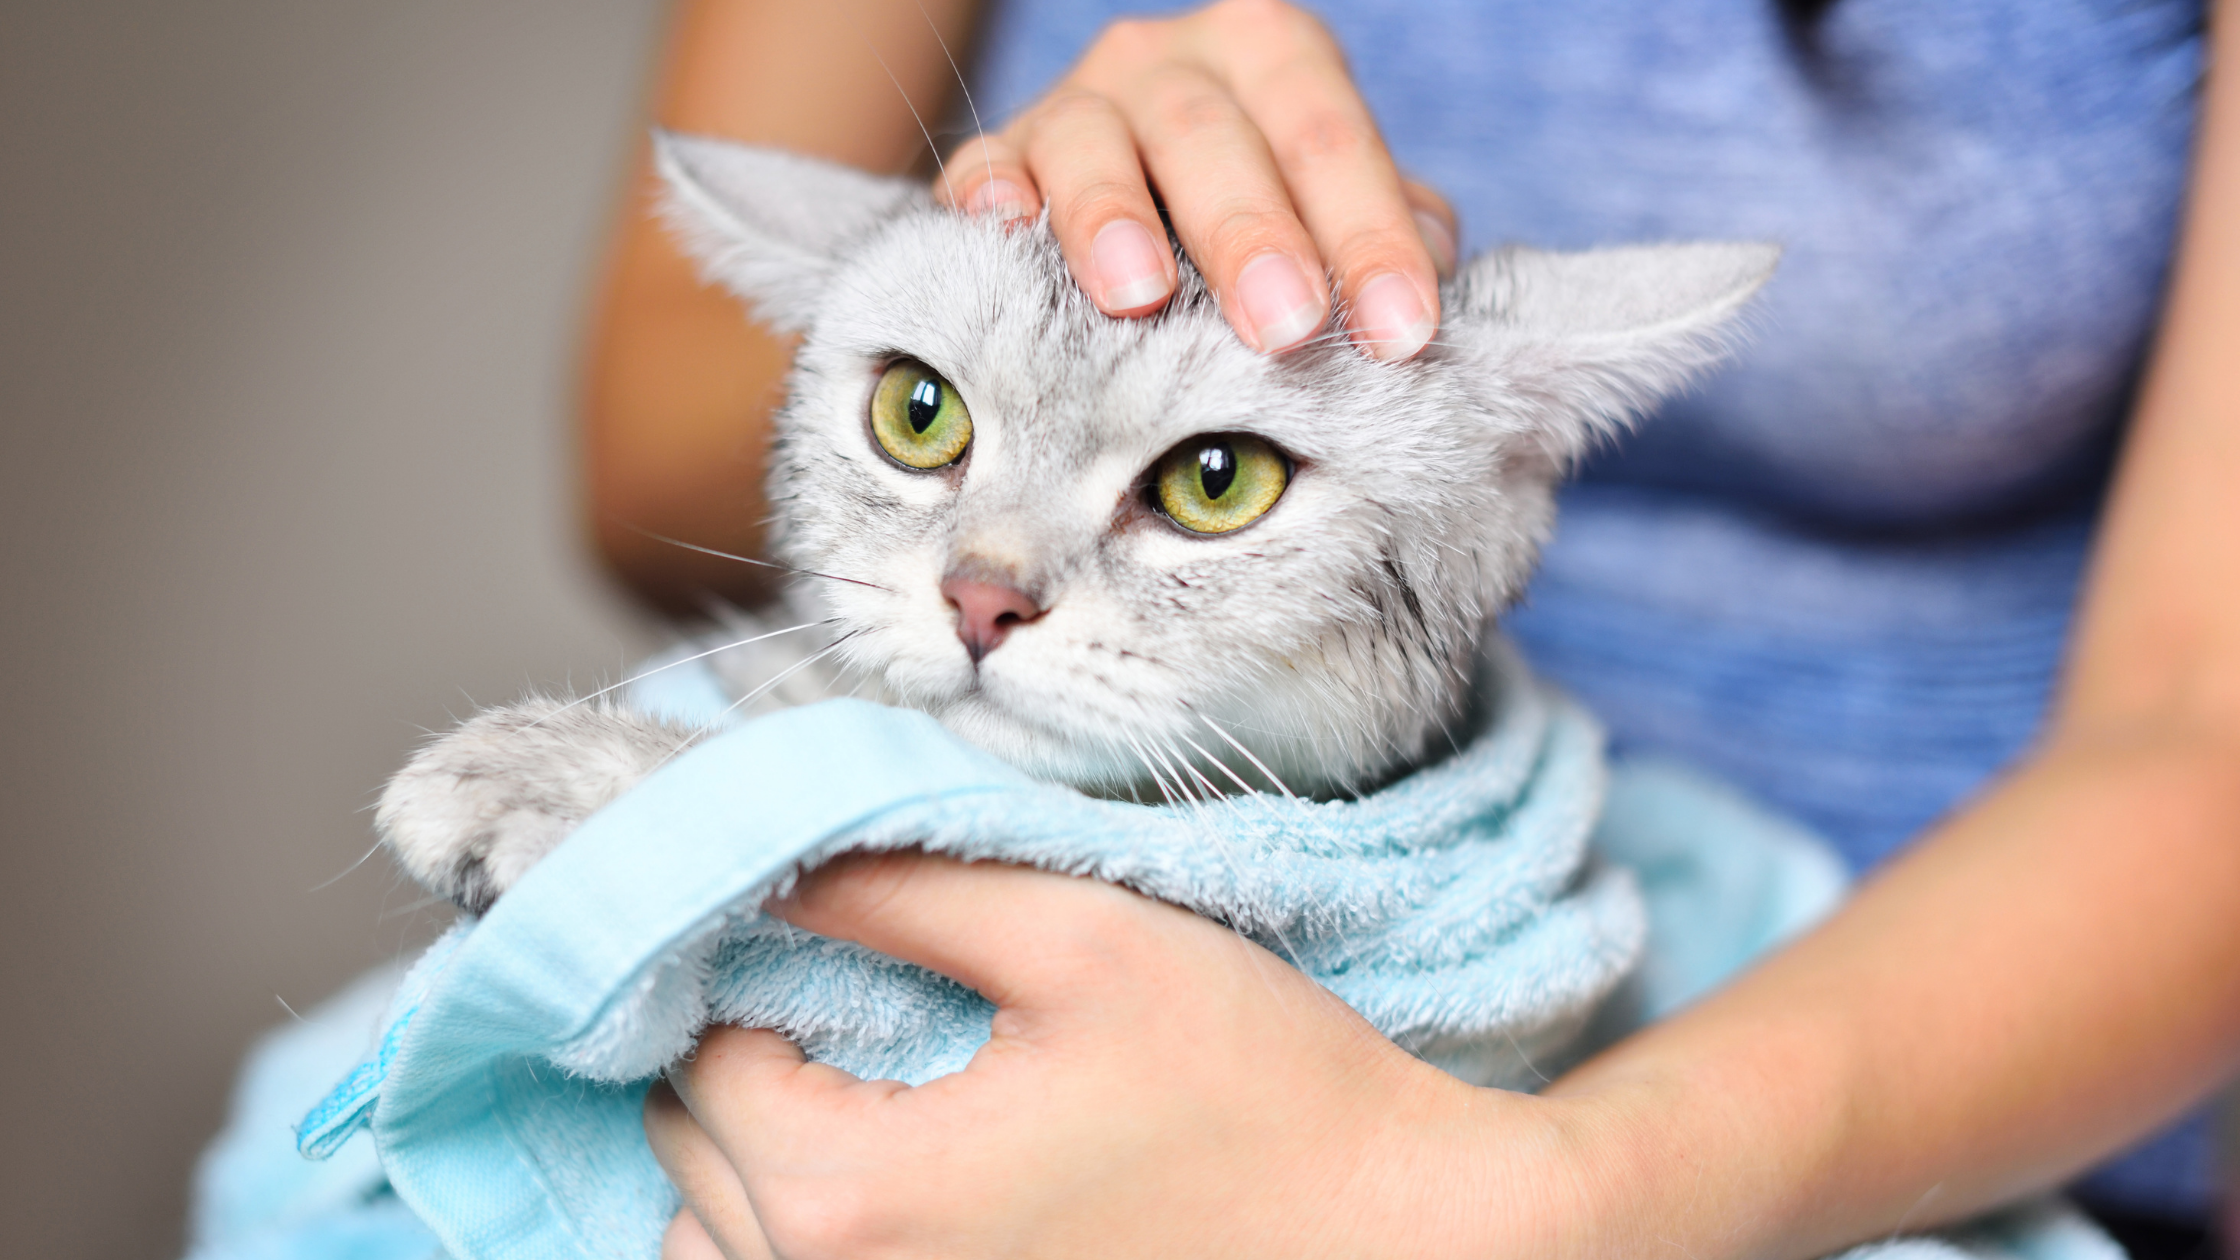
[{"x": 1093, "y": 545}]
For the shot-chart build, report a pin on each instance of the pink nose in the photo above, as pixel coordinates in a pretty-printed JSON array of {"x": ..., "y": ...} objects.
[{"x": 986, "y": 611}]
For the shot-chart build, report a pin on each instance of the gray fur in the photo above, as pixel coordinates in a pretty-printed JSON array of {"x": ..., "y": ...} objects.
[
  {"x": 474, "y": 809},
  {"x": 1334, "y": 638}
]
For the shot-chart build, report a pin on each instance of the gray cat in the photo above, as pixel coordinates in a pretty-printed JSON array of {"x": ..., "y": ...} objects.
[{"x": 1100, "y": 547}]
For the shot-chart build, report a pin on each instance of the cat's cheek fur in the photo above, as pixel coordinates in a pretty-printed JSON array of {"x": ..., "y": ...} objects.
[
  {"x": 903, "y": 634},
  {"x": 477, "y": 807}
]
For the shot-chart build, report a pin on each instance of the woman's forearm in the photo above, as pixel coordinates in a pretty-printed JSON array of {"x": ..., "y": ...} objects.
[
  {"x": 680, "y": 383},
  {"x": 2052, "y": 974}
]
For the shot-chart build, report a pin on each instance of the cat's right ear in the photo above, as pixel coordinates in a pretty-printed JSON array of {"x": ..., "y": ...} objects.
[
  {"x": 767, "y": 224},
  {"x": 1574, "y": 346}
]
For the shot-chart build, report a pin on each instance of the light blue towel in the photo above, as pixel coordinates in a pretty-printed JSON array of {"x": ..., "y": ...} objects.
[{"x": 1460, "y": 910}]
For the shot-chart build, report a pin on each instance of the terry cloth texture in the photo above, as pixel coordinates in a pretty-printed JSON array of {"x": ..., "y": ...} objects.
[{"x": 1460, "y": 910}]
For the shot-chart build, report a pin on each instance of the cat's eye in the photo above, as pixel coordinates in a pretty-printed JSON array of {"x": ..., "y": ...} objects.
[
  {"x": 917, "y": 417},
  {"x": 1220, "y": 482}
]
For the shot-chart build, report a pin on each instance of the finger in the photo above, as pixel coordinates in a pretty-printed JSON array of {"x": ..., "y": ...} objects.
[
  {"x": 1435, "y": 219},
  {"x": 1077, "y": 146},
  {"x": 1018, "y": 936},
  {"x": 687, "y": 1239},
  {"x": 1291, "y": 82},
  {"x": 752, "y": 1083},
  {"x": 718, "y": 1220},
  {"x": 987, "y": 176},
  {"x": 1229, "y": 205}
]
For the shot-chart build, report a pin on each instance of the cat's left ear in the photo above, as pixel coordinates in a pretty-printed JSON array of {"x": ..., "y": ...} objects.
[
  {"x": 767, "y": 224},
  {"x": 1572, "y": 346}
]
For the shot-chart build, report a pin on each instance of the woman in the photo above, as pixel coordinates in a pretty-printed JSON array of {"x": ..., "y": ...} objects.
[{"x": 1841, "y": 574}]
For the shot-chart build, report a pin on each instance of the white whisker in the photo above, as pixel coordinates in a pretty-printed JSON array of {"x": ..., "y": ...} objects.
[
  {"x": 410, "y": 907},
  {"x": 912, "y": 106},
  {"x": 1344, "y": 334},
  {"x": 1150, "y": 766},
  {"x": 1221, "y": 848},
  {"x": 337, "y": 877},
  {"x": 760, "y": 564},
  {"x": 697, "y": 656},
  {"x": 1281, "y": 939},
  {"x": 965, "y": 88},
  {"x": 1211, "y": 830},
  {"x": 1179, "y": 782},
  {"x": 1257, "y": 764},
  {"x": 1524, "y": 1058},
  {"x": 788, "y": 672},
  {"x": 1212, "y": 792},
  {"x": 748, "y": 698},
  {"x": 1220, "y": 765},
  {"x": 1153, "y": 770}
]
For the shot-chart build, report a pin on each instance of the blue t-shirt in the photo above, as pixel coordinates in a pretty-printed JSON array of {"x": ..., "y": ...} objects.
[{"x": 1842, "y": 571}]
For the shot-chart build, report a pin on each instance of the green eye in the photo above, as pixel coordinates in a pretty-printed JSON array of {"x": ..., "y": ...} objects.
[
  {"x": 1224, "y": 481},
  {"x": 918, "y": 418}
]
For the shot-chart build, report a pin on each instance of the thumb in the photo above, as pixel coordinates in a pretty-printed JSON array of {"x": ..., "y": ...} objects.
[{"x": 1012, "y": 933}]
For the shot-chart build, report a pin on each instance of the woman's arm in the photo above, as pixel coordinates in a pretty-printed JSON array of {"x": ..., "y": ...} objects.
[
  {"x": 680, "y": 384},
  {"x": 2056, "y": 970}
]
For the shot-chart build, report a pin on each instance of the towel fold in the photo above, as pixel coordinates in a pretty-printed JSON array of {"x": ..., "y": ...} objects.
[{"x": 1461, "y": 910}]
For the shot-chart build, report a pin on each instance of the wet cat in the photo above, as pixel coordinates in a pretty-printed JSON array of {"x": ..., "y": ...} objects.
[{"x": 1112, "y": 552}]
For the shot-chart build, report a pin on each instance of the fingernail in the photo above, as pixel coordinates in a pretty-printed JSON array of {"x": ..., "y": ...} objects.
[
  {"x": 1130, "y": 266},
  {"x": 1000, "y": 198},
  {"x": 1389, "y": 321},
  {"x": 1437, "y": 239},
  {"x": 1278, "y": 302}
]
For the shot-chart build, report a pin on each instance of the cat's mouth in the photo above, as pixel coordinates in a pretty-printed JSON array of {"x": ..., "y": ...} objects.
[
  {"x": 1062, "y": 706},
  {"x": 1090, "y": 729}
]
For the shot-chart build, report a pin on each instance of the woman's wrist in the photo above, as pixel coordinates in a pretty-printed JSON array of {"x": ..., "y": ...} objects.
[
  {"x": 1721, "y": 1142},
  {"x": 1587, "y": 1175},
  {"x": 1620, "y": 1153}
]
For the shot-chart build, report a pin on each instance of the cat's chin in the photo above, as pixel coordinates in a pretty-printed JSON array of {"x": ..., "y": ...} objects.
[
  {"x": 1110, "y": 761},
  {"x": 1095, "y": 762}
]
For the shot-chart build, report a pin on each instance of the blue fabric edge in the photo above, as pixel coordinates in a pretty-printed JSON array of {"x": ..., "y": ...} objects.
[{"x": 597, "y": 856}]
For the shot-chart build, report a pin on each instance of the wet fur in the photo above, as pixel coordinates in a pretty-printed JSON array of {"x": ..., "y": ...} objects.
[{"x": 1326, "y": 647}]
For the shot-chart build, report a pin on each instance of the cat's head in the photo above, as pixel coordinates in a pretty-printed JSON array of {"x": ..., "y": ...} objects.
[{"x": 1102, "y": 548}]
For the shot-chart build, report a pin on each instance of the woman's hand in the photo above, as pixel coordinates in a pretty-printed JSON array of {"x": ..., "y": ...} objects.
[
  {"x": 1155, "y": 1085},
  {"x": 1244, "y": 117}
]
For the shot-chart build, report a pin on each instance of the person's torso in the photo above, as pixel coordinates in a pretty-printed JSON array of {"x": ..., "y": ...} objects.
[{"x": 1842, "y": 570}]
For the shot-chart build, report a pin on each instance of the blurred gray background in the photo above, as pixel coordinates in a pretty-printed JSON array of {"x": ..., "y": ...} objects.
[{"x": 289, "y": 294}]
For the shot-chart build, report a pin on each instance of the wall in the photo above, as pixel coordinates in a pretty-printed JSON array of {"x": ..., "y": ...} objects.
[{"x": 288, "y": 297}]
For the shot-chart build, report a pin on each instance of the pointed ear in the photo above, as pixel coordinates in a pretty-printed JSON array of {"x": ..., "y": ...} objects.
[
  {"x": 767, "y": 224},
  {"x": 1588, "y": 341}
]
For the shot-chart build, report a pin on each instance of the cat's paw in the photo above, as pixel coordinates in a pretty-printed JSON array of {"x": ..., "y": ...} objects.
[{"x": 477, "y": 807}]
